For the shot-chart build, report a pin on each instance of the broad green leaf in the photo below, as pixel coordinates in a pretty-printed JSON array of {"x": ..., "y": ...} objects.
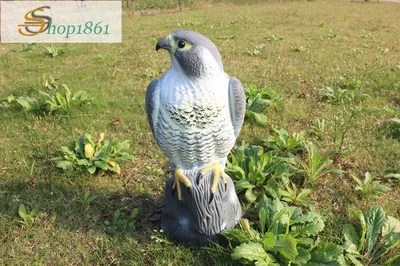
[
  {"x": 303, "y": 194},
  {"x": 358, "y": 188},
  {"x": 250, "y": 196},
  {"x": 258, "y": 118},
  {"x": 394, "y": 176},
  {"x": 34, "y": 211},
  {"x": 351, "y": 239},
  {"x": 67, "y": 92},
  {"x": 80, "y": 96},
  {"x": 363, "y": 224},
  {"x": 392, "y": 243},
  {"x": 326, "y": 253},
  {"x": 236, "y": 172},
  {"x": 80, "y": 146},
  {"x": 66, "y": 150},
  {"x": 102, "y": 165},
  {"x": 309, "y": 217},
  {"x": 22, "y": 211},
  {"x": 235, "y": 234},
  {"x": 88, "y": 139},
  {"x": 61, "y": 100},
  {"x": 86, "y": 196},
  {"x": 269, "y": 241},
  {"x": 46, "y": 95},
  {"x": 303, "y": 257},
  {"x": 251, "y": 251},
  {"x": 83, "y": 162},
  {"x": 277, "y": 218},
  {"x": 51, "y": 106},
  {"x": 358, "y": 181},
  {"x": 273, "y": 188},
  {"x": 262, "y": 104},
  {"x": 263, "y": 218},
  {"x": 66, "y": 165},
  {"x": 379, "y": 188},
  {"x": 243, "y": 184},
  {"x": 286, "y": 245},
  {"x": 310, "y": 228},
  {"x": 375, "y": 219},
  {"x": 354, "y": 260},
  {"x": 368, "y": 178},
  {"x": 10, "y": 98},
  {"x": 124, "y": 156},
  {"x": 92, "y": 169},
  {"x": 27, "y": 103},
  {"x": 134, "y": 213},
  {"x": 115, "y": 168},
  {"x": 305, "y": 241},
  {"x": 392, "y": 225}
]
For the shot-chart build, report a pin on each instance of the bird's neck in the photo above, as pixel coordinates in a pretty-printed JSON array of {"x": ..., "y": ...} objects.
[{"x": 205, "y": 73}]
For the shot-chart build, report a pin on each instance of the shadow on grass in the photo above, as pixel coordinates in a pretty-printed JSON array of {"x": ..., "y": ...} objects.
[{"x": 61, "y": 208}]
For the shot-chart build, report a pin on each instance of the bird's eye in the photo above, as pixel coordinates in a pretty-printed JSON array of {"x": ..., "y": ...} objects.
[{"x": 181, "y": 44}]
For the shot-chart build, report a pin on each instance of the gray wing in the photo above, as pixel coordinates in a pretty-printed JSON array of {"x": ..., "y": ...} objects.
[
  {"x": 151, "y": 106},
  {"x": 237, "y": 104}
]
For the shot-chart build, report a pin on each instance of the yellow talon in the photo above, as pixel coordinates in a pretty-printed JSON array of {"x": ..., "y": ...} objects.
[
  {"x": 218, "y": 172},
  {"x": 178, "y": 178}
]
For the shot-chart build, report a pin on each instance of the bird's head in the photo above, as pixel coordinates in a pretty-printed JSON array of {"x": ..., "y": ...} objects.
[{"x": 191, "y": 53}]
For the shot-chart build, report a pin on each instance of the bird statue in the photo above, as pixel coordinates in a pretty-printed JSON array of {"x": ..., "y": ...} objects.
[{"x": 195, "y": 112}]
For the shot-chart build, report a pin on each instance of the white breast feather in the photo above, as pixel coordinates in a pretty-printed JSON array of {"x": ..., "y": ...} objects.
[{"x": 184, "y": 104}]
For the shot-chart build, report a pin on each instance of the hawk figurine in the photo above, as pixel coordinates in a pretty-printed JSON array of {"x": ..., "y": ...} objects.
[{"x": 195, "y": 112}]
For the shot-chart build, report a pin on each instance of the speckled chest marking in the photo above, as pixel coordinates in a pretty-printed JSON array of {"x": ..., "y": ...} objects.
[{"x": 198, "y": 116}]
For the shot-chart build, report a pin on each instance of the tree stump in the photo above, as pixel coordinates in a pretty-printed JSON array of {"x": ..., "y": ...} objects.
[{"x": 200, "y": 216}]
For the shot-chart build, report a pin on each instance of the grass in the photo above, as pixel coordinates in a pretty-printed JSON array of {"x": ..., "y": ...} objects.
[{"x": 116, "y": 76}]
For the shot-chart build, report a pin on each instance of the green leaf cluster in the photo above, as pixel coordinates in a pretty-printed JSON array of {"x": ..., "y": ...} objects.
[
  {"x": 251, "y": 168},
  {"x": 286, "y": 237},
  {"x": 105, "y": 154},
  {"x": 319, "y": 129},
  {"x": 375, "y": 241},
  {"x": 27, "y": 216},
  {"x": 257, "y": 173},
  {"x": 53, "y": 51},
  {"x": 56, "y": 99},
  {"x": 123, "y": 222},
  {"x": 316, "y": 164},
  {"x": 346, "y": 91},
  {"x": 368, "y": 186},
  {"x": 257, "y": 50},
  {"x": 293, "y": 195},
  {"x": 23, "y": 48},
  {"x": 281, "y": 143},
  {"x": 258, "y": 101}
]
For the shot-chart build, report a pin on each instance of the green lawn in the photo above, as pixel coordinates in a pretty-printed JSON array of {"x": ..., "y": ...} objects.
[{"x": 309, "y": 46}]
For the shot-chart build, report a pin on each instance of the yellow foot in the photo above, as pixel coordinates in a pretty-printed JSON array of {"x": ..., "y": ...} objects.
[
  {"x": 218, "y": 172},
  {"x": 178, "y": 178}
]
